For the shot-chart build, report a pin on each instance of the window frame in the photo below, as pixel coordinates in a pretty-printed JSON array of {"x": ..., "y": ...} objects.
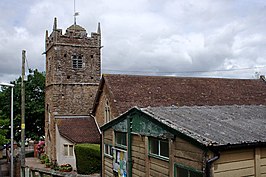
[
  {"x": 68, "y": 154},
  {"x": 159, "y": 155},
  {"x": 77, "y": 61},
  {"x": 109, "y": 152},
  {"x": 107, "y": 112},
  {"x": 189, "y": 169},
  {"x": 118, "y": 144}
]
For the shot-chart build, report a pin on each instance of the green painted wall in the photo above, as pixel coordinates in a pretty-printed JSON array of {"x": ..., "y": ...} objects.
[{"x": 142, "y": 125}]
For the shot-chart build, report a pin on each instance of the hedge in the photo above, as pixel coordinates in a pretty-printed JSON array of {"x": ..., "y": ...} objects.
[
  {"x": 88, "y": 158},
  {"x": 29, "y": 154}
]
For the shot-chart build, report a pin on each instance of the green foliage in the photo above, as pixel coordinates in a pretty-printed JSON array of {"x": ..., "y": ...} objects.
[
  {"x": 3, "y": 131},
  {"x": 88, "y": 158},
  {"x": 34, "y": 105},
  {"x": 44, "y": 158},
  {"x": 65, "y": 168}
]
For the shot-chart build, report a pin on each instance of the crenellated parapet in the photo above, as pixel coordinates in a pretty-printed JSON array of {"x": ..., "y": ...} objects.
[{"x": 75, "y": 35}]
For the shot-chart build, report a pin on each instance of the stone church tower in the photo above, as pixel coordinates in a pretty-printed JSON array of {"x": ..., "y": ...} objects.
[{"x": 73, "y": 71}]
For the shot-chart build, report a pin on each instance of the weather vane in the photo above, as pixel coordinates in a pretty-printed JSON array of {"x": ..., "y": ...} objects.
[{"x": 75, "y": 13}]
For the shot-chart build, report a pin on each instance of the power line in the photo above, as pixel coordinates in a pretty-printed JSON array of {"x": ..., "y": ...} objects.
[{"x": 184, "y": 72}]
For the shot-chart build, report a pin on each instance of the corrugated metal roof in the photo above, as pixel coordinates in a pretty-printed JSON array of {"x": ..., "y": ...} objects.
[{"x": 215, "y": 125}]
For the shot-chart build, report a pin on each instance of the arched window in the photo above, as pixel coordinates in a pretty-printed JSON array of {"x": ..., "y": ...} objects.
[{"x": 107, "y": 112}]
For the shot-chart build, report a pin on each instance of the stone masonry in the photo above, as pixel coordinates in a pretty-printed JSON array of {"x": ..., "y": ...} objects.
[{"x": 73, "y": 71}]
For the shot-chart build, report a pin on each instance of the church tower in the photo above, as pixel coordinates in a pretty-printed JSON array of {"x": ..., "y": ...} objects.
[{"x": 73, "y": 71}]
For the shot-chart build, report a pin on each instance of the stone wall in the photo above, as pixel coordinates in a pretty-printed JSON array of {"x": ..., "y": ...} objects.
[
  {"x": 69, "y": 90},
  {"x": 99, "y": 113}
]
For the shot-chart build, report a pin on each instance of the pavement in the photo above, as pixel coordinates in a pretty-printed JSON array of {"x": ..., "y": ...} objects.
[{"x": 33, "y": 162}]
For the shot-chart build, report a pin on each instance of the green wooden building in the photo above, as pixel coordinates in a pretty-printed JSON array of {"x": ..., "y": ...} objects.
[{"x": 185, "y": 141}]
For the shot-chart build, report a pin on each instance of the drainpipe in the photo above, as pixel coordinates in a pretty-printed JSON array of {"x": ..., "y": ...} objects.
[
  {"x": 129, "y": 147},
  {"x": 209, "y": 163}
]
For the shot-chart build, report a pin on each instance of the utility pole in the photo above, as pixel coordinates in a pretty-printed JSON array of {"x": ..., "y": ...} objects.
[{"x": 23, "y": 115}]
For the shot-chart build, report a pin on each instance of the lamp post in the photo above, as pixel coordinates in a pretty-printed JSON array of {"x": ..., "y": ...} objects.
[{"x": 12, "y": 131}]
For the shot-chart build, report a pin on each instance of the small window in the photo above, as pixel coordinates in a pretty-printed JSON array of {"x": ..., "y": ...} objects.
[
  {"x": 77, "y": 61},
  {"x": 65, "y": 150},
  {"x": 183, "y": 171},
  {"x": 159, "y": 147},
  {"x": 49, "y": 117},
  {"x": 71, "y": 150},
  {"x": 108, "y": 150},
  {"x": 121, "y": 138},
  {"x": 68, "y": 150},
  {"x": 49, "y": 64},
  {"x": 107, "y": 112}
]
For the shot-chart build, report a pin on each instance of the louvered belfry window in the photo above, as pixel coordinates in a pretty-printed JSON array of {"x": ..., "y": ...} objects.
[{"x": 77, "y": 61}]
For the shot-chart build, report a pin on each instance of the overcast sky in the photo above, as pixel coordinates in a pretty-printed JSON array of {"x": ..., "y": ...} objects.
[{"x": 218, "y": 38}]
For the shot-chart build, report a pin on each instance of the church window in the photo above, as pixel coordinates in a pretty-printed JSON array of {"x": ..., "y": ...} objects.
[
  {"x": 107, "y": 112},
  {"x": 49, "y": 64},
  {"x": 77, "y": 61},
  {"x": 49, "y": 114}
]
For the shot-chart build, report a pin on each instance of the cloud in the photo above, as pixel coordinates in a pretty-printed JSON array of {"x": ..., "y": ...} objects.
[{"x": 173, "y": 37}]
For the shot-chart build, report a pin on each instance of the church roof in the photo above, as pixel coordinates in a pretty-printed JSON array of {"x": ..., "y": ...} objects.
[
  {"x": 127, "y": 91},
  {"x": 79, "y": 130}
]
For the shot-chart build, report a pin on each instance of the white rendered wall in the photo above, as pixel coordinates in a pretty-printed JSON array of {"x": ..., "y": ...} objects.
[{"x": 61, "y": 159}]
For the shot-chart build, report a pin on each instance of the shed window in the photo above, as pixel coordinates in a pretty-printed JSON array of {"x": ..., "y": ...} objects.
[
  {"x": 68, "y": 150},
  {"x": 108, "y": 150},
  {"x": 121, "y": 138},
  {"x": 159, "y": 147},
  {"x": 183, "y": 171},
  {"x": 77, "y": 61}
]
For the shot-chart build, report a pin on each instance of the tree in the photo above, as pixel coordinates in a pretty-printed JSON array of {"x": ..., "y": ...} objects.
[
  {"x": 34, "y": 105},
  {"x": 3, "y": 131}
]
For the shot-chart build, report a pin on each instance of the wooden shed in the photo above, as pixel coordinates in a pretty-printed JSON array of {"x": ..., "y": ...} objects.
[{"x": 197, "y": 141}]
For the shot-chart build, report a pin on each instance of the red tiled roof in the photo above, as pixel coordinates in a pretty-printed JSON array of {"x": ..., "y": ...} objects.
[
  {"x": 143, "y": 91},
  {"x": 79, "y": 130}
]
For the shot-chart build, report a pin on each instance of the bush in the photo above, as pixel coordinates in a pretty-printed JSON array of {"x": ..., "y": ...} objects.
[
  {"x": 88, "y": 158},
  {"x": 43, "y": 158}
]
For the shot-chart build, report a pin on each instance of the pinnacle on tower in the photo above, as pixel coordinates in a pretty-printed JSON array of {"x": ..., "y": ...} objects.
[
  {"x": 46, "y": 34},
  {"x": 99, "y": 28},
  {"x": 55, "y": 24}
]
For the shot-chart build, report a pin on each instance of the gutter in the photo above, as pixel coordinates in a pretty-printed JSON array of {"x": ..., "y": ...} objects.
[{"x": 210, "y": 162}]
